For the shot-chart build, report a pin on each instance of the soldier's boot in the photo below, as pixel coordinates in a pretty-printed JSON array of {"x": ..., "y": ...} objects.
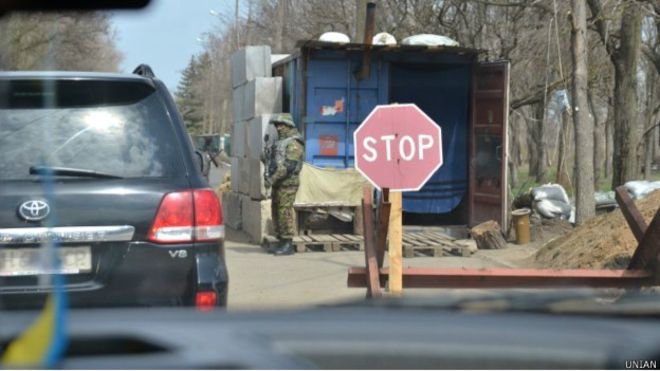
[
  {"x": 274, "y": 247},
  {"x": 286, "y": 248}
]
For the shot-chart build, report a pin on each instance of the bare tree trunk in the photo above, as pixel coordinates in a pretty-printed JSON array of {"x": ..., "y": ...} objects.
[
  {"x": 585, "y": 203},
  {"x": 649, "y": 132},
  {"x": 599, "y": 141},
  {"x": 626, "y": 60},
  {"x": 360, "y": 18},
  {"x": 280, "y": 22},
  {"x": 648, "y": 155},
  {"x": 514, "y": 152},
  {"x": 223, "y": 129},
  {"x": 562, "y": 176},
  {"x": 532, "y": 144},
  {"x": 539, "y": 144},
  {"x": 248, "y": 27},
  {"x": 609, "y": 141},
  {"x": 237, "y": 13},
  {"x": 656, "y": 140}
]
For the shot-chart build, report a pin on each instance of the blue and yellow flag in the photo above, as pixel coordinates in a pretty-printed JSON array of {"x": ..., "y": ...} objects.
[{"x": 44, "y": 343}]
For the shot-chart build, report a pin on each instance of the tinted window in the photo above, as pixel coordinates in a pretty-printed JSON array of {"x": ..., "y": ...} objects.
[{"x": 120, "y": 128}]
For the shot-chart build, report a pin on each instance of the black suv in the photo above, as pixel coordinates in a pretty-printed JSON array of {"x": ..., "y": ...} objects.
[{"x": 134, "y": 220}]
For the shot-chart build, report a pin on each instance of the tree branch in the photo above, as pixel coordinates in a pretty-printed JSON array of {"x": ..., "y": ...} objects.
[
  {"x": 537, "y": 96},
  {"x": 601, "y": 26},
  {"x": 522, "y": 4}
]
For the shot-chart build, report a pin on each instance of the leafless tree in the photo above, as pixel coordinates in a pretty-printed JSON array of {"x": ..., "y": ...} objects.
[{"x": 584, "y": 187}]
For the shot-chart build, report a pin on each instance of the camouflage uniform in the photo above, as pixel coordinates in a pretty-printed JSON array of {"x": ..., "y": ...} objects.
[{"x": 285, "y": 180}]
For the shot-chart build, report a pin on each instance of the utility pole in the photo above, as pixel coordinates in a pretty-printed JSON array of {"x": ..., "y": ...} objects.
[{"x": 236, "y": 15}]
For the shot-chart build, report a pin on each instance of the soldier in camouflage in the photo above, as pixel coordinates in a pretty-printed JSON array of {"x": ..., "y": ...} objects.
[{"x": 286, "y": 160}]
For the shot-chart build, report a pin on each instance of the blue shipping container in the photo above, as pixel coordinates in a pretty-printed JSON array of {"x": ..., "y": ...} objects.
[{"x": 329, "y": 102}]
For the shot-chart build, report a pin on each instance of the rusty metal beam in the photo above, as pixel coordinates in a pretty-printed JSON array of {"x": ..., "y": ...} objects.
[
  {"x": 371, "y": 263},
  {"x": 646, "y": 254},
  {"x": 508, "y": 278},
  {"x": 631, "y": 213},
  {"x": 383, "y": 226},
  {"x": 369, "y": 29}
]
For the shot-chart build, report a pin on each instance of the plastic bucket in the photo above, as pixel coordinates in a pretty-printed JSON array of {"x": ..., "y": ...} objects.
[{"x": 521, "y": 225}]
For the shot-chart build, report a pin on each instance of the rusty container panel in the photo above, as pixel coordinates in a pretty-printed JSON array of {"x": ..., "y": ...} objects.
[{"x": 489, "y": 144}]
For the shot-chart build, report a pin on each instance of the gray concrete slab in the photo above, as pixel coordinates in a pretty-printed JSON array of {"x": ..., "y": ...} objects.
[{"x": 250, "y": 62}]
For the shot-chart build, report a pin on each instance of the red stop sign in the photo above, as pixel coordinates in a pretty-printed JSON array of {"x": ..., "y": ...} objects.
[{"x": 398, "y": 147}]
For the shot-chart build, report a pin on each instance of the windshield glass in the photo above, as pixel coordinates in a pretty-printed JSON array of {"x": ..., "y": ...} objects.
[{"x": 115, "y": 128}]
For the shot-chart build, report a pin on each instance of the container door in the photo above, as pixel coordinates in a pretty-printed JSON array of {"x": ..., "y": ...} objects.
[
  {"x": 488, "y": 156},
  {"x": 336, "y": 105}
]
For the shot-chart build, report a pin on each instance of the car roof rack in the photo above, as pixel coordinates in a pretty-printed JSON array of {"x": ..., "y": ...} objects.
[{"x": 144, "y": 70}]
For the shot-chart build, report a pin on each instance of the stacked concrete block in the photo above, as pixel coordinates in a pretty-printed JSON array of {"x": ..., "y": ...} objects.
[
  {"x": 257, "y": 128},
  {"x": 256, "y": 95},
  {"x": 244, "y": 176},
  {"x": 235, "y": 174},
  {"x": 258, "y": 190},
  {"x": 260, "y": 96},
  {"x": 239, "y": 140},
  {"x": 256, "y": 218},
  {"x": 249, "y": 63},
  {"x": 231, "y": 209}
]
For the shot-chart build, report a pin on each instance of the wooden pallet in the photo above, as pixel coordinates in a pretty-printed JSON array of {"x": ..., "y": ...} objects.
[
  {"x": 431, "y": 243},
  {"x": 328, "y": 242}
]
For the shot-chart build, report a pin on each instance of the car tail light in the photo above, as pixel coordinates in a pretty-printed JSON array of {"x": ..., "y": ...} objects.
[
  {"x": 208, "y": 216},
  {"x": 174, "y": 219},
  {"x": 188, "y": 216},
  {"x": 206, "y": 300}
]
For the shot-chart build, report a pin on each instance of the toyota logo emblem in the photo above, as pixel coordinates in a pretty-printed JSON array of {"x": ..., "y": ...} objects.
[{"x": 34, "y": 210}]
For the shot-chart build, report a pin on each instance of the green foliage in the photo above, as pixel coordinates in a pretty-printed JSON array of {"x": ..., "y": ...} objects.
[{"x": 189, "y": 95}]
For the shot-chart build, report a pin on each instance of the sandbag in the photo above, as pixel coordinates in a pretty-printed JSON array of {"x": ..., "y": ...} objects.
[
  {"x": 335, "y": 37},
  {"x": 551, "y": 209},
  {"x": 384, "y": 38},
  {"x": 429, "y": 40},
  {"x": 550, "y": 191},
  {"x": 639, "y": 189},
  {"x": 605, "y": 198}
]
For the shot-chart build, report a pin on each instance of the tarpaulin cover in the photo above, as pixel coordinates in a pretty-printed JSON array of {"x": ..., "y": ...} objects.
[
  {"x": 323, "y": 186},
  {"x": 443, "y": 94}
]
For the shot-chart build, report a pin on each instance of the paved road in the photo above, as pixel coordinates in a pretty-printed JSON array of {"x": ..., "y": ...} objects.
[{"x": 259, "y": 281}]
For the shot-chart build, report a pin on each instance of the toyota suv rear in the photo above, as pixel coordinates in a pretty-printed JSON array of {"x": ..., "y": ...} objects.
[{"x": 102, "y": 165}]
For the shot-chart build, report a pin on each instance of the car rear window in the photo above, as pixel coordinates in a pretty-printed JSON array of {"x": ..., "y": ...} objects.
[{"x": 115, "y": 127}]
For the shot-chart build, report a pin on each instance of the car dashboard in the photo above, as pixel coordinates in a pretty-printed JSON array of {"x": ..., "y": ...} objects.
[{"x": 346, "y": 338}]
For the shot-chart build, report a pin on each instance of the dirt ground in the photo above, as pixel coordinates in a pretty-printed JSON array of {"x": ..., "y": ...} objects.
[
  {"x": 260, "y": 281},
  {"x": 603, "y": 242}
]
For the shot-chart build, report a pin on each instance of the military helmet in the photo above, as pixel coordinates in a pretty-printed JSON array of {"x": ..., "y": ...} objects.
[{"x": 283, "y": 118}]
